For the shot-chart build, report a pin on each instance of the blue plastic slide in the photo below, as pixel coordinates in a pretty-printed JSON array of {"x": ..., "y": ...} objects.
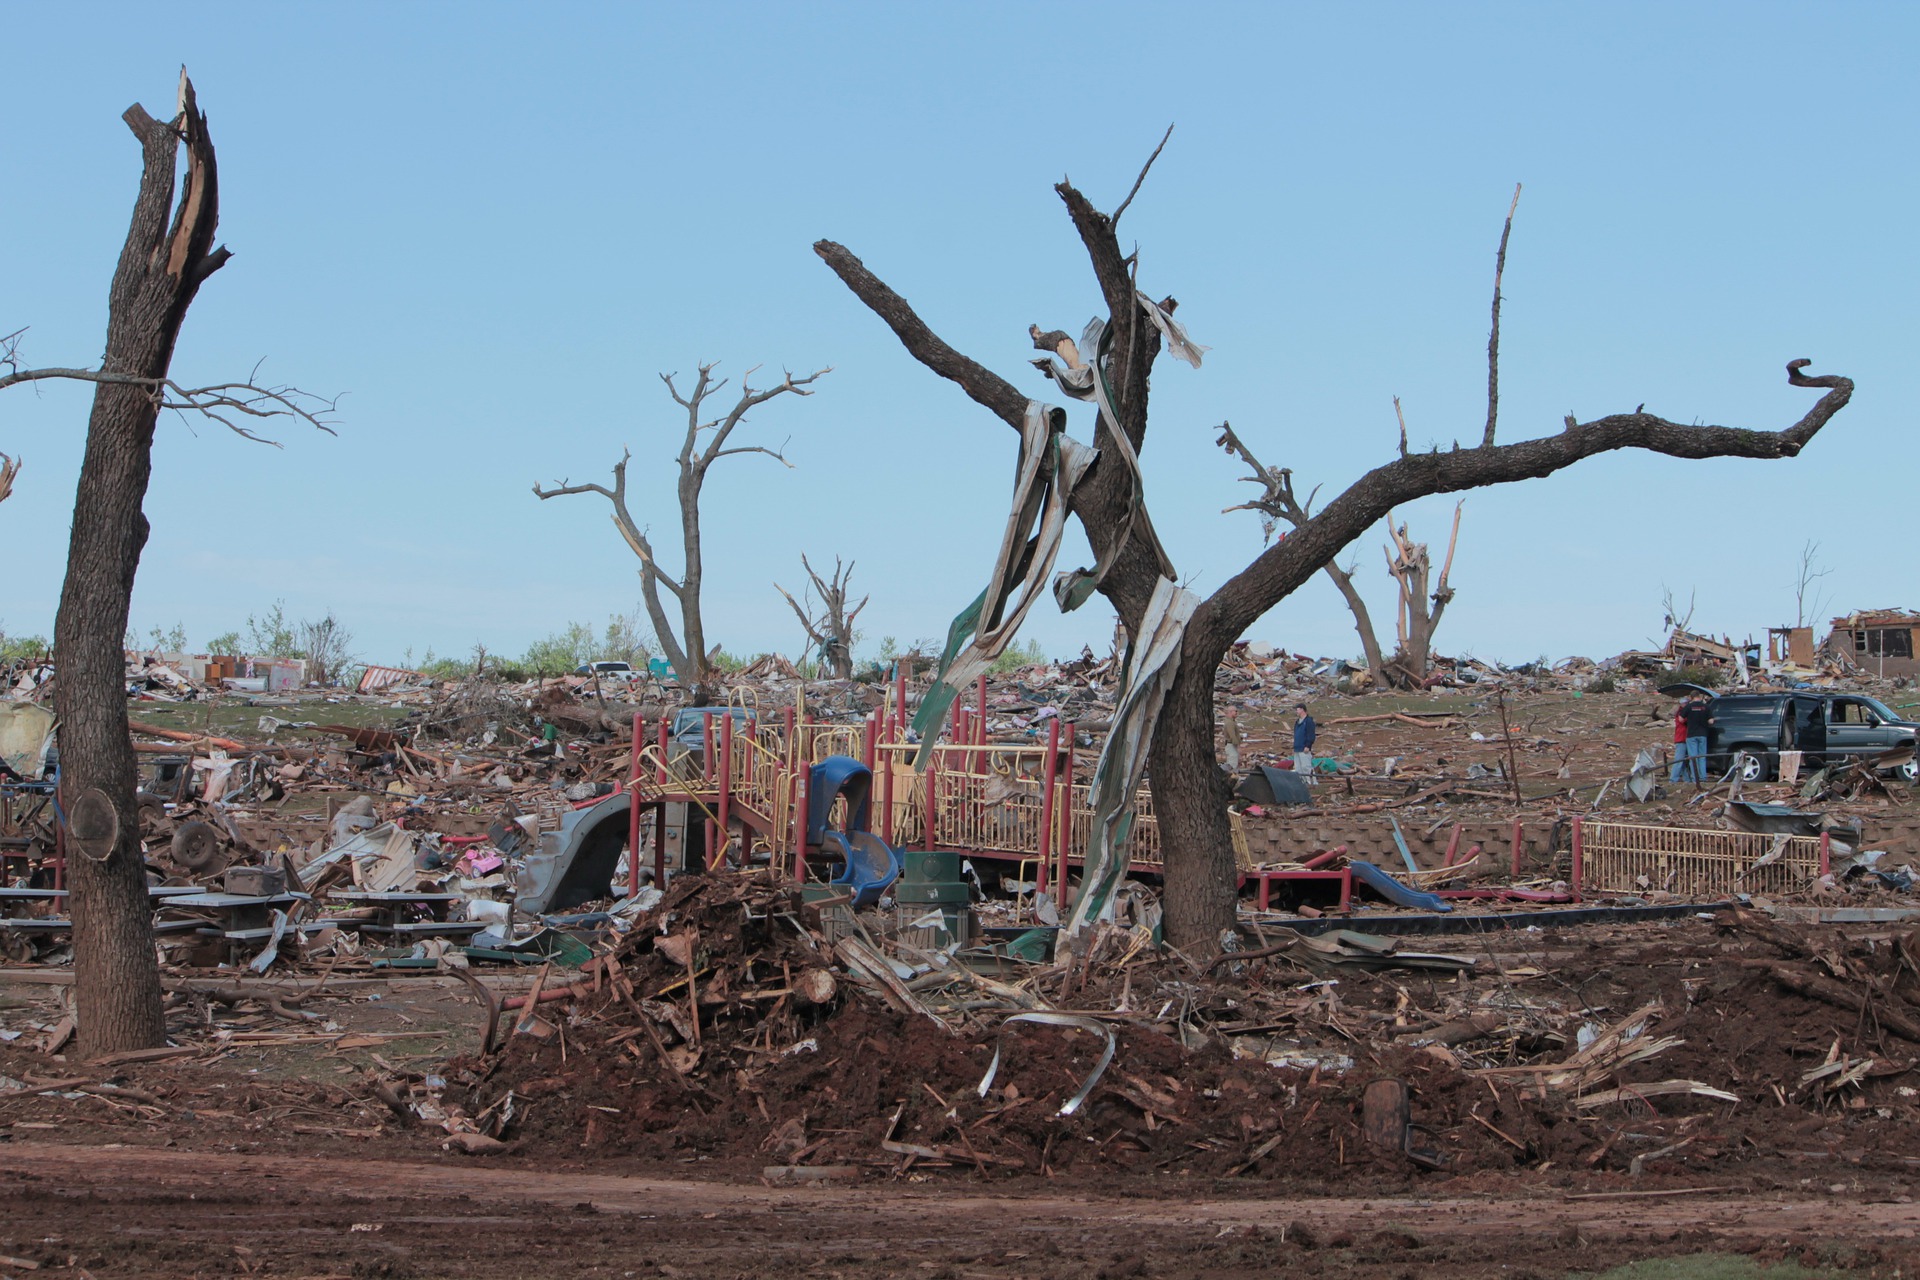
[
  {"x": 871, "y": 865},
  {"x": 1392, "y": 890}
]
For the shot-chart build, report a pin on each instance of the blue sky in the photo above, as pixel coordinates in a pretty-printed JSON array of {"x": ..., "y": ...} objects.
[{"x": 492, "y": 226}]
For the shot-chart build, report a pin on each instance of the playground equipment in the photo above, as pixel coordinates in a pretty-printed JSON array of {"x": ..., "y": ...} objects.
[{"x": 869, "y": 865}]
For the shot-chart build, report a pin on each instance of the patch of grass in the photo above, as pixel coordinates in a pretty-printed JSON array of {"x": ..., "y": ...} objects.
[
  {"x": 236, "y": 718},
  {"x": 1708, "y": 1266}
]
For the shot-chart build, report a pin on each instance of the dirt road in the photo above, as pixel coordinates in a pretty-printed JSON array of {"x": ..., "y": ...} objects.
[{"x": 123, "y": 1211}]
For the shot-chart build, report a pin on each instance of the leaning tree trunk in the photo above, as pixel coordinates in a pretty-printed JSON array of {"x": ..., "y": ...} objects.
[
  {"x": 1362, "y": 623},
  {"x": 116, "y": 978}
]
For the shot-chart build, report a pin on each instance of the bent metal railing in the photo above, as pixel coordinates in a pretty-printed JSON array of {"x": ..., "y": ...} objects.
[
  {"x": 985, "y": 797},
  {"x": 1618, "y": 857}
]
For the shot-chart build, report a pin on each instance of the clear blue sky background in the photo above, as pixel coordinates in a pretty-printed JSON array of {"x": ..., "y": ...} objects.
[{"x": 492, "y": 226}]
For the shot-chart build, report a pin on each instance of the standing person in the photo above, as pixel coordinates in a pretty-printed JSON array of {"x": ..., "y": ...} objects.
[
  {"x": 1697, "y": 721},
  {"x": 1680, "y": 749},
  {"x": 1304, "y": 732}
]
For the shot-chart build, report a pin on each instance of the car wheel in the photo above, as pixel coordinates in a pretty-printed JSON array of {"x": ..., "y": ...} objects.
[
  {"x": 196, "y": 846},
  {"x": 1753, "y": 765},
  {"x": 1910, "y": 771}
]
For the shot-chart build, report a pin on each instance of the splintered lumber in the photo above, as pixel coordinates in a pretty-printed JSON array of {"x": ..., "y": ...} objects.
[{"x": 181, "y": 735}]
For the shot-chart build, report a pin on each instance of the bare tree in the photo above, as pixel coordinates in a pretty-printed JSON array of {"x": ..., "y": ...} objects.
[
  {"x": 326, "y": 644},
  {"x": 1674, "y": 618},
  {"x": 1190, "y": 792},
  {"x": 831, "y": 633},
  {"x": 704, "y": 444},
  {"x": 116, "y": 980},
  {"x": 1808, "y": 599}
]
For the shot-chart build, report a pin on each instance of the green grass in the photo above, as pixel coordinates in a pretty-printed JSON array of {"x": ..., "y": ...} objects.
[
  {"x": 232, "y": 717},
  {"x": 1709, "y": 1266}
]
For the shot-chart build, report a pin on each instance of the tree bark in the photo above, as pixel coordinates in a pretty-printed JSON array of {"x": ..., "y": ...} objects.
[
  {"x": 116, "y": 978},
  {"x": 1190, "y": 798}
]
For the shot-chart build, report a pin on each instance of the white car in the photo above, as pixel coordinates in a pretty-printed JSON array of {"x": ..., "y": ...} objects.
[{"x": 621, "y": 672}]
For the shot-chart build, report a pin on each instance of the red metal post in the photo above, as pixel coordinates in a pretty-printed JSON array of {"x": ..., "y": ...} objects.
[
  {"x": 725, "y": 811},
  {"x": 1453, "y": 845},
  {"x": 872, "y": 732},
  {"x": 633, "y": 807},
  {"x": 1826, "y": 853},
  {"x": 802, "y": 778},
  {"x": 980, "y": 718}
]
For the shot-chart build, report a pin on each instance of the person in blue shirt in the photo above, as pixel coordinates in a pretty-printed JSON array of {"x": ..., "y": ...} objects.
[{"x": 1304, "y": 732}]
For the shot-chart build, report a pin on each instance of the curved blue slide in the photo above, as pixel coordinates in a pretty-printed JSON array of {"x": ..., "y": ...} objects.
[{"x": 1392, "y": 890}]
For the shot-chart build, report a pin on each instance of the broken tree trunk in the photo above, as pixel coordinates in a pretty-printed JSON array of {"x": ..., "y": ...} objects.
[
  {"x": 116, "y": 979},
  {"x": 1417, "y": 615}
]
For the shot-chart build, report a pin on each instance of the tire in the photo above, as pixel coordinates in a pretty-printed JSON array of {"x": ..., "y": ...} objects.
[
  {"x": 1909, "y": 772},
  {"x": 196, "y": 846},
  {"x": 1754, "y": 765}
]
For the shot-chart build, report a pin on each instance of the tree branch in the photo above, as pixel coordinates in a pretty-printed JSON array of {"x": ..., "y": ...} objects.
[
  {"x": 1493, "y": 334},
  {"x": 1143, "y": 176},
  {"x": 981, "y": 384},
  {"x": 216, "y": 401},
  {"x": 1285, "y": 566}
]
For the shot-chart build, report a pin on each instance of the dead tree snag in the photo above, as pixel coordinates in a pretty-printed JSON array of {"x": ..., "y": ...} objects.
[
  {"x": 704, "y": 444},
  {"x": 831, "y": 632},
  {"x": 1189, "y": 790},
  {"x": 161, "y": 268}
]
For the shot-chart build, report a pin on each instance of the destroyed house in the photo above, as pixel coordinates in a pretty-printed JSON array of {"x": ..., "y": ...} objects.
[{"x": 1881, "y": 641}]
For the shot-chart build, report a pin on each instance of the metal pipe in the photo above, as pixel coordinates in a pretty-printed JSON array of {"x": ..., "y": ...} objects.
[
  {"x": 1322, "y": 859},
  {"x": 886, "y": 798},
  {"x": 1049, "y": 774}
]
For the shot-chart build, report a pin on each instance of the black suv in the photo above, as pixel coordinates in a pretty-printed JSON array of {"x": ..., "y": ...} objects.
[{"x": 1832, "y": 728}]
